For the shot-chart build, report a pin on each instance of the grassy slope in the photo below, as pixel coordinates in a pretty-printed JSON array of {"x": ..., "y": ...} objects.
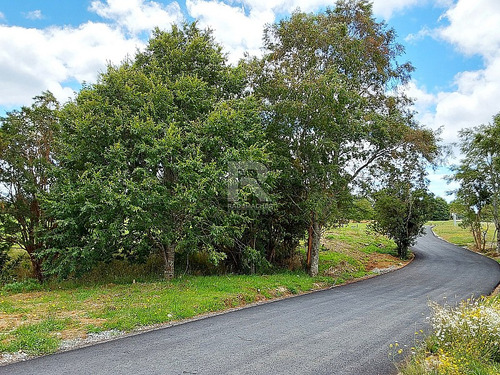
[{"x": 34, "y": 319}]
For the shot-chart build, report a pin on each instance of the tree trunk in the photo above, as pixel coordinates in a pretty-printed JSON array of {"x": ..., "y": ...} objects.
[
  {"x": 403, "y": 252},
  {"x": 309, "y": 245},
  {"x": 169, "y": 260},
  {"x": 313, "y": 248},
  {"x": 36, "y": 264},
  {"x": 497, "y": 228}
]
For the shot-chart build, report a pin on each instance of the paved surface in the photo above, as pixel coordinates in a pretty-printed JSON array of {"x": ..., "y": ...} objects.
[{"x": 345, "y": 330}]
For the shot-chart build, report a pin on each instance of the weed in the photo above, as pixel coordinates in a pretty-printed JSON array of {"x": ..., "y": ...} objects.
[{"x": 465, "y": 340}]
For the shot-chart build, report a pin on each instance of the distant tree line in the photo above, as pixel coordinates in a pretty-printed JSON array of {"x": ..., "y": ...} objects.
[{"x": 175, "y": 152}]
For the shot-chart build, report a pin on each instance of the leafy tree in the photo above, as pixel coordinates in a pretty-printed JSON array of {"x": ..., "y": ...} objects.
[
  {"x": 144, "y": 157},
  {"x": 478, "y": 174},
  {"x": 362, "y": 209},
  {"x": 27, "y": 140},
  {"x": 473, "y": 199},
  {"x": 400, "y": 213},
  {"x": 440, "y": 209},
  {"x": 328, "y": 83}
]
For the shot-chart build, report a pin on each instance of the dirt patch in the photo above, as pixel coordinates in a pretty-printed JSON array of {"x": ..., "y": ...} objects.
[
  {"x": 372, "y": 261},
  {"x": 340, "y": 269},
  {"x": 382, "y": 261},
  {"x": 8, "y": 322}
]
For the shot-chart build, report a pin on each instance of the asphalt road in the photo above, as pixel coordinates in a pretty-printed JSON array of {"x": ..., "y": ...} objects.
[{"x": 344, "y": 330}]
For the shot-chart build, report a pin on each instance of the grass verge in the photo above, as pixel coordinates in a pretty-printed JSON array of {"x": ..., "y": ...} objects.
[
  {"x": 460, "y": 236},
  {"x": 37, "y": 319}
]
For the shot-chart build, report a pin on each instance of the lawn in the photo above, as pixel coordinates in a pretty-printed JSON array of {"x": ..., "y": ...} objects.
[
  {"x": 37, "y": 319},
  {"x": 460, "y": 236}
]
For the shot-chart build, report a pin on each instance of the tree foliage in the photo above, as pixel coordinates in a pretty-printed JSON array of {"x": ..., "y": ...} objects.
[
  {"x": 175, "y": 152},
  {"x": 27, "y": 141},
  {"x": 145, "y": 157},
  {"x": 332, "y": 109},
  {"x": 478, "y": 174},
  {"x": 440, "y": 210},
  {"x": 400, "y": 213}
]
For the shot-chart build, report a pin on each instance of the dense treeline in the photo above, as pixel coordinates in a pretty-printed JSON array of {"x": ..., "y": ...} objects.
[{"x": 175, "y": 152}]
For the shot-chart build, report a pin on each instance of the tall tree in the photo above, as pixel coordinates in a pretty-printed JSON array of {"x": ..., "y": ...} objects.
[
  {"x": 329, "y": 83},
  {"x": 440, "y": 209},
  {"x": 27, "y": 140},
  {"x": 145, "y": 154},
  {"x": 479, "y": 177}
]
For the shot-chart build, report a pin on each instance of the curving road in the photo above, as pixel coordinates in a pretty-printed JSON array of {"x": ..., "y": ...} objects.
[{"x": 344, "y": 330}]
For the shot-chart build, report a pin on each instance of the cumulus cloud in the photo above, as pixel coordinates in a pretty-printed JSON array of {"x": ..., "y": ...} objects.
[
  {"x": 34, "y": 15},
  {"x": 473, "y": 27},
  {"x": 387, "y": 8},
  {"x": 59, "y": 58},
  {"x": 239, "y": 24},
  {"x": 34, "y": 60},
  {"x": 473, "y": 99},
  {"x": 438, "y": 184},
  {"x": 137, "y": 16},
  {"x": 236, "y": 30}
]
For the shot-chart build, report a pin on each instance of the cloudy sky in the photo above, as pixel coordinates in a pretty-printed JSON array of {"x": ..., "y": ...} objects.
[{"x": 56, "y": 45}]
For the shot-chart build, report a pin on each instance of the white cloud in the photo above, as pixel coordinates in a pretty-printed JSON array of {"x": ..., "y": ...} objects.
[
  {"x": 422, "y": 34},
  {"x": 387, "y": 8},
  {"x": 34, "y": 60},
  {"x": 239, "y": 24},
  {"x": 235, "y": 30},
  {"x": 472, "y": 29},
  {"x": 438, "y": 184},
  {"x": 34, "y": 15},
  {"x": 138, "y": 15}
]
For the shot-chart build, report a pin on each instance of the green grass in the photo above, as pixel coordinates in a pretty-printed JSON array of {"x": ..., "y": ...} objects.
[
  {"x": 458, "y": 235},
  {"x": 36, "y": 317},
  {"x": 35, "y": 338},
  {"x": 358, "y": 236}
]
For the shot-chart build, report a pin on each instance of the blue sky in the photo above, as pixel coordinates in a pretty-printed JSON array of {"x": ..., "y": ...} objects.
[{"x": 56, "y": 45}]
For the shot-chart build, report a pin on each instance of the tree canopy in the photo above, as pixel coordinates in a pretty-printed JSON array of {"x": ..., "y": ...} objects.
[
  {"x": 329, "y": 86},
  {"x": 176, "y": 153},
  {"x": 27, "y": 140},
  {"x": 478, "y": 174}
]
